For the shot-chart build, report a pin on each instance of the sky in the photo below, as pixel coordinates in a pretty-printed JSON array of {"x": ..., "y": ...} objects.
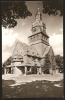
[{"x": 54, "y": 28}]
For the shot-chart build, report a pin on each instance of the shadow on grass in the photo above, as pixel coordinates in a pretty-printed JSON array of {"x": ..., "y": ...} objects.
[{"x": 33, "y": 89}]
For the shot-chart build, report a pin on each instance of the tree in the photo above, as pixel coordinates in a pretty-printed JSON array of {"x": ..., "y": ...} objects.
[
  {"x": 53, "y": 7},
  {"x": 12, "y": 10},
  {"x": 15, "y": 9},
  {"x": 59, "y": 62},
  {"x": 7, "y": 62}
]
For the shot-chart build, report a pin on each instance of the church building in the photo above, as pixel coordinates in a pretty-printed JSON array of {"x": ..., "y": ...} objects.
[{"x": 38, "y": 56}]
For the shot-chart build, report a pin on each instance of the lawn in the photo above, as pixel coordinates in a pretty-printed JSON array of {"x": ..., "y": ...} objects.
[{"x": 32, "y": 89}]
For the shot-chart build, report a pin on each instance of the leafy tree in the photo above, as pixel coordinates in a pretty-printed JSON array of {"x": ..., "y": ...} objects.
[
  {"x": 12, "y": 10},
  {"x": 7, "y": 62},
  {"x": 52, "y": 7},
  {"x": 15, "y": 9},
  {"x": 59, "y": 62}
]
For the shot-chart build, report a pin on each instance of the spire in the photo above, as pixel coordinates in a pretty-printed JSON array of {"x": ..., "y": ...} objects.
[
  {"x": 38, "y": 15},
  {"x": 38, "y": 25}
]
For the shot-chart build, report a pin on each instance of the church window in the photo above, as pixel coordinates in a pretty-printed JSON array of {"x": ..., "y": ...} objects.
[{"x": 34, "y": 29}]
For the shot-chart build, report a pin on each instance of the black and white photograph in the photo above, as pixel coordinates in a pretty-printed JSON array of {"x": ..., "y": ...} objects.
[{"x": 32, "y": 49}]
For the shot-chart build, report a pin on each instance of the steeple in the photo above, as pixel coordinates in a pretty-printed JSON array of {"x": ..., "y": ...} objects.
[
  {"x": 38, "y": 15},
  {"x": 39, "y": 39},
  {"x": 38, "y": 25}
]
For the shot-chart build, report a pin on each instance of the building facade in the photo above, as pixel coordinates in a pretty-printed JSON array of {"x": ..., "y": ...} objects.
[{"x": 31, "y": 59}]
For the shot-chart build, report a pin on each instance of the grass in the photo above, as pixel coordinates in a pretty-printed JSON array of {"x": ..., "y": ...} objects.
[{"x": 33, "y": 89}]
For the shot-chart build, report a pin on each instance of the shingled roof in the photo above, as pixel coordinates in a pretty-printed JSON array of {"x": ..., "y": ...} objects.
[
  {"x": 24, "y": 49},
  {"x": 46, "y": 51},
  {"x": 21, "y": 49}
]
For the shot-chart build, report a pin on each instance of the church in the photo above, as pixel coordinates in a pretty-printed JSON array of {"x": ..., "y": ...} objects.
[{"x": 35, "y": 58}]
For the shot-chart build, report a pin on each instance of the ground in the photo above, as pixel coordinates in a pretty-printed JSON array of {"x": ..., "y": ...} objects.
[{"x": 37, "y": 88}]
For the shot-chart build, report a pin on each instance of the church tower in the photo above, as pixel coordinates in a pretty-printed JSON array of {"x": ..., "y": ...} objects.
[{"x": 39, "y": 39}]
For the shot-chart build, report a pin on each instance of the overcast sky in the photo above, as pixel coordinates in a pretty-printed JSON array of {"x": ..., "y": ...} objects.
[{"x": 54, "y": 25}]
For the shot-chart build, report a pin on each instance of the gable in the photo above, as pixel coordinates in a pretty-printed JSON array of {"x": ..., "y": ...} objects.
[{"x": 21, "y": 49}]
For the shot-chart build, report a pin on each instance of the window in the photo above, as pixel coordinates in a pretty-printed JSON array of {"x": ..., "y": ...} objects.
[{"x": 34, "y": 29}]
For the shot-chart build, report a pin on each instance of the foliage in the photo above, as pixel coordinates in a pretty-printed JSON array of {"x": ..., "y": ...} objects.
[
  {"x": 7, "y": 62},
  {"x": 52, "y": 7},
  {"x": 12, "y": 10},
  {"x": 59, "y": 61}
]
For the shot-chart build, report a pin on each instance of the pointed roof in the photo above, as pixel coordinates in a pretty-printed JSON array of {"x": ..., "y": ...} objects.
[
  {"x": 46, "y": 51},
  {"x": 38, "y": 25},
  {"x": 38, "y": 15},
  {"x": 32, "y": 51},
  {"x": 21, "y": 49},
  {"x": 38, "y": 19}
]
